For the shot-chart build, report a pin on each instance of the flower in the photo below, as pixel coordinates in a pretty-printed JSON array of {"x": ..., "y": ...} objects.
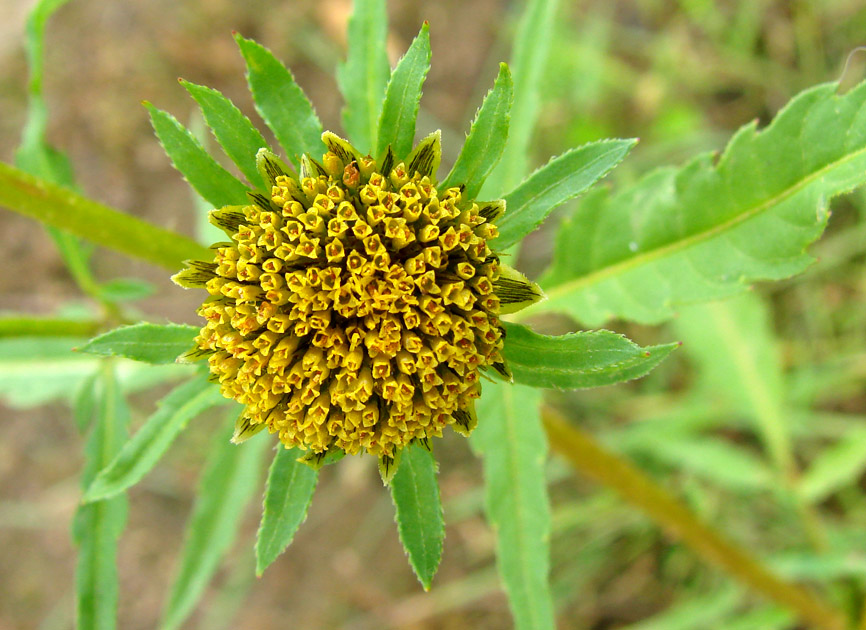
[{"x": 356, "y": 305}]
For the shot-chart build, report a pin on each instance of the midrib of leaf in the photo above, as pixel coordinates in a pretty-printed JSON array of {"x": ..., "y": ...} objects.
[
  {"x": 683, "y": 244},
  {"x": 514, "y": 476},
  {"x": 284, "y": 514}
]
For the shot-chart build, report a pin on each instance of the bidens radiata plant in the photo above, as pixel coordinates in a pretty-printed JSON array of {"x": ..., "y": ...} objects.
[{"x": 360, "y": 304}]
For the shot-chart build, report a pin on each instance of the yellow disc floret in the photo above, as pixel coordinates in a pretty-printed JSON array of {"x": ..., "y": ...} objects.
[{"x": 355, "y": 304}]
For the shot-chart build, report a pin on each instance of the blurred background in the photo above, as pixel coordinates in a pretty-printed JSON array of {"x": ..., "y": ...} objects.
[{"x": 682, "y": 76}]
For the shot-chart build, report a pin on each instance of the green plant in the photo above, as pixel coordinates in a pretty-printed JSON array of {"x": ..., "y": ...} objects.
[{"x": 676, "y": 236}]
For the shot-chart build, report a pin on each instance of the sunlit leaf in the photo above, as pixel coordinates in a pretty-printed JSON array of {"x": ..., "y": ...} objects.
[{"x": 151, "y": 343}]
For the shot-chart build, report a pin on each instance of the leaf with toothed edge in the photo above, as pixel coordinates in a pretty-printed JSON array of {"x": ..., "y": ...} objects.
[
  {"x": 415, "y": 492},
  {"x": 288, "y": 494},
  {"x": 151, "y": 343},
  {"x": 577, "y": 360},
  {"x": 281, "y": 102},
  {"x": 215, "y": 184}
]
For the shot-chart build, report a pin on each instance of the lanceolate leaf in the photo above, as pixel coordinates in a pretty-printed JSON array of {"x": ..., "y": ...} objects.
[
  {"x": 486, "y": 138},
  {"x": 288, "y": 494},
  {"x": 96, "y": 527},
  {"x": 141, "y": 453},
  {"x": 214, "y": 183},
  {"x": 512, "y": 446},
  {"x": 62, "y": 208},
  {"x": 234, "y": 131},
  {"x": 707, "y": 229},
  {"x": 577, "y": 360},
  {"x": 561, "y": 179},
  {"x": 151, "y": 343},
  {"x": 281, "y": 102},
  {"x": 228, "y": 483},
  {"x": 837, "y": 466},
  {"x": 528, "y": 61},
  {"x": 415, "y": 492},
  {"x": 363, "y": 77},
  {"x": 402, "y": 98}
]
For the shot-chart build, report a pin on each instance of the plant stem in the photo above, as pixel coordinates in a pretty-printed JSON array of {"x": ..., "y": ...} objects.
[
  {"x": 588, "y": 457},
  {"x": 47, "y": 327},
  {"x": 67, "y": 210}
]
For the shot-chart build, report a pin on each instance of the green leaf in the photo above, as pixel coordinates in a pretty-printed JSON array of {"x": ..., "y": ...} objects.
[
  {"x": 510, "y": 440},
  {"x": 288, "y": 494},
  {"x": 528, "y": 63},
  {"x": 703, "y": 611},
  {"x": 67, "y": 210},
  {"x": 734, "y": 349},
  {"x": 577, "y": 360},
  {"x": 230, "y": 479},
  {"x": 713, "y": 459},
  {"x": 126, "y": 290},
  {"x": 708, "y": 229},
  {"x": 151, "y": 343},
  {"x": 403, "y": 96},
  {"x": 141, "y": 453},
  {"x": 210, "y": 180},
  {"x": 362, "y": 78},
  {"x": 97, "y": 527},
  {"x": 838, "y": 465},
  {"x": 234, "y": 131},
  {"x": 561, "y": 179},
  {"x": 37, "y": 157},
  {"x": 486, "y": 138},
  {"x": 281, "y": 102},
  {"x": 415, "y": 492}
]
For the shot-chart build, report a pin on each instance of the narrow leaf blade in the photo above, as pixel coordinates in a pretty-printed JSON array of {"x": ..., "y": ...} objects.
[
  {"x": 415, "y": 492},
  {"x": 141, "y": 453},
  {"x": 362, "y": 78},
  {"x": 229, "y": 480},
  {"x": 403, "y": 96},
  {"x": 706, "y": 230},
  {"x": 561, "y": 179},
  {"x": 486, "y": 139},
  {"x": 234, "y": 131},
  {"x": 281, "y": 102},
  {"x": 214, "y": 183},
  {"x": 151, "y": 343},
  {"x": 577, "y": 360},
  {"x": 836, "y": 466},
  {"x": 97, "y": 527},
  {"x": 511, "y": 442},
  {"x": 288, "y": 494}
]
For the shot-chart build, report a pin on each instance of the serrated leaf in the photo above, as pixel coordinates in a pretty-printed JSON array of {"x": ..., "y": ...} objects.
[
  {"x": 227, "y": 485},
  {"x": 707, "y": 229},
  {"x": 415, "y": 492},
  {"x": 288, "y": 494},
  {"x": 281, "y": 102},
  {"x": 528, "y": 66},
  {"x": 511, "y": 442},
  {"x": 835, "y": 467},
  {"x": 141, "y": 453},
  {"x": 561, "y": 179},
  {"x": 151, "y": 343},
  {"x": 402, "y": 98},
  {"x": 362, "y": 78},
  {"x": 577, "y": 360},
  {"x": 214, "y": 183},
  {"x": 97, "y": 527},
  {"x": 486, "y": 139},
  {"x": 234, "y": 131}
]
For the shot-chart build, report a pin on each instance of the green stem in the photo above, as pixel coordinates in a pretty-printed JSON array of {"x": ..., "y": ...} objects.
[
  {"x": 45, "y": 327},
  {"x": 588, "y": 457},
  {"x": 67, "y": 210}
]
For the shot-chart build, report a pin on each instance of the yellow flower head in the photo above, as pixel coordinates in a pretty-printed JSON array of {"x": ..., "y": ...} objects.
[{"x": 356, "y": 304}]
